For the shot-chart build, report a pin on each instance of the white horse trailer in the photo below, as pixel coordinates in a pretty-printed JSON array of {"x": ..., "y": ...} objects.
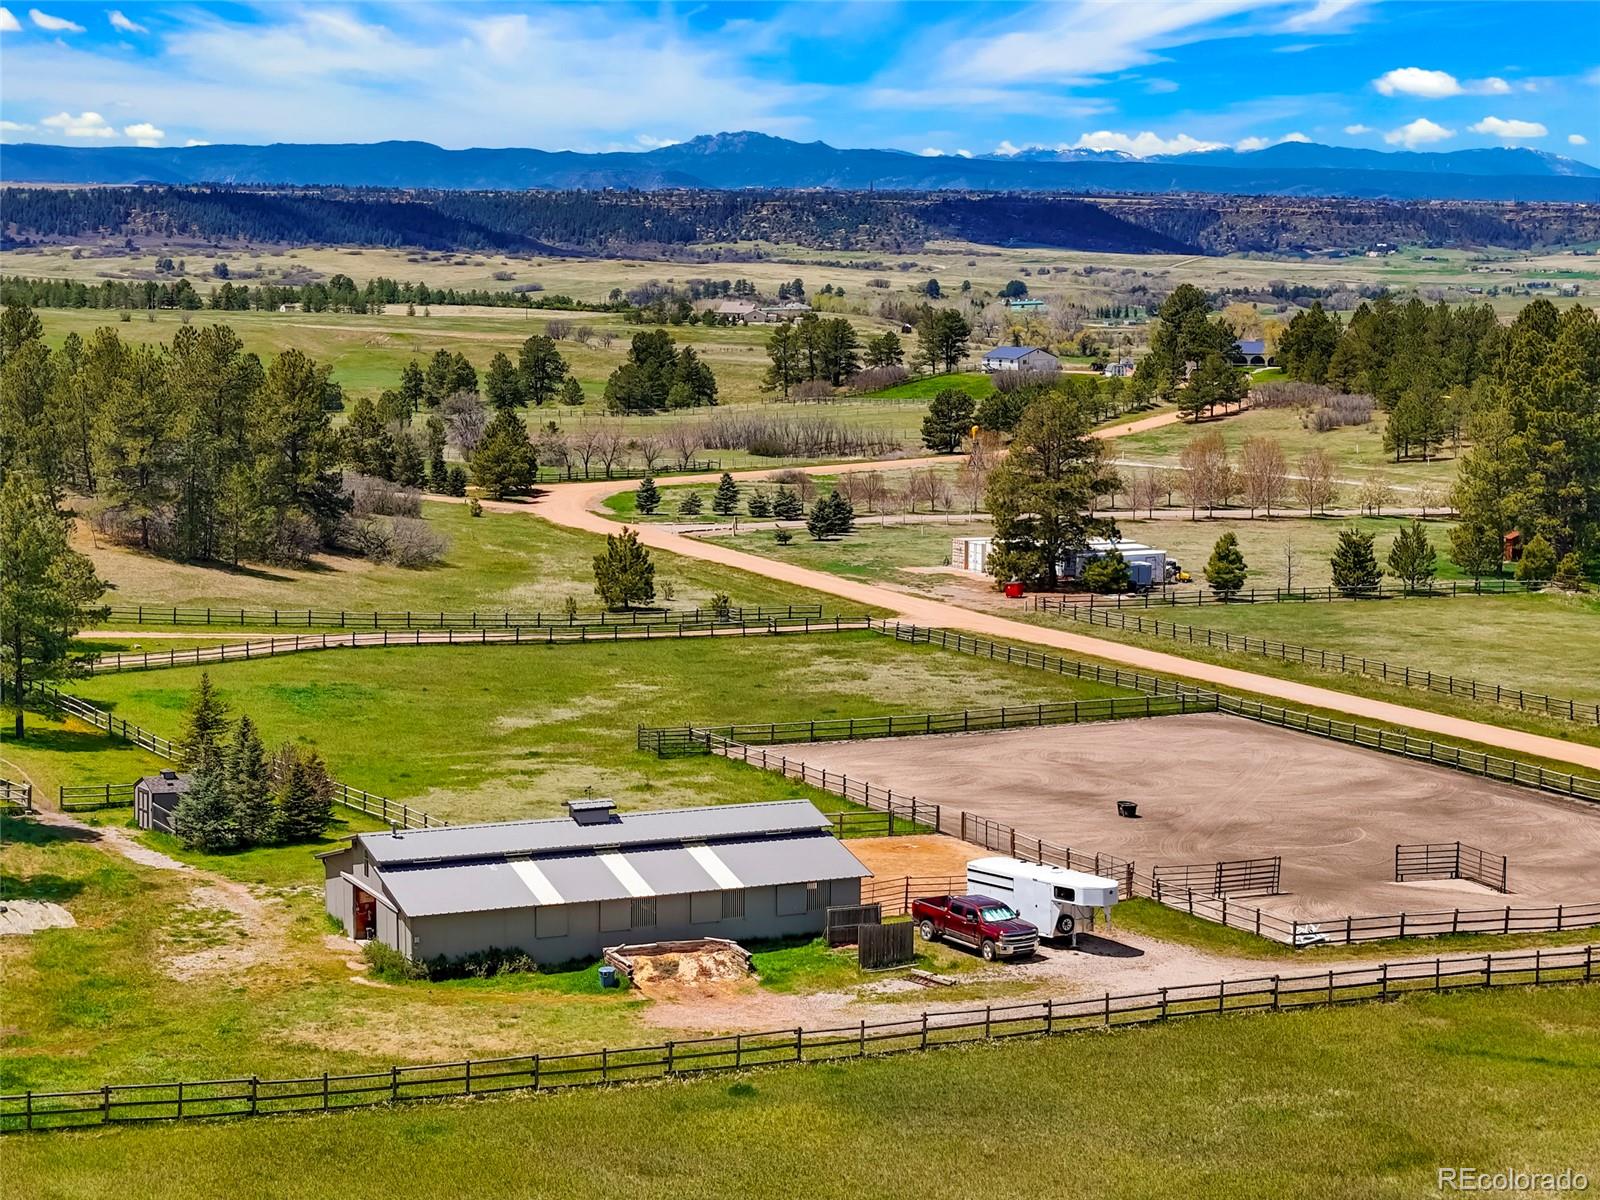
[{"x": 1053, "y": 898}]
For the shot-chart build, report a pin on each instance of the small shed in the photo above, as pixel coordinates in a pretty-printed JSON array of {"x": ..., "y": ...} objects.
[
  {"x": 971, "y": 553},
  {"x": 155, "y": 799},
  {"x": 1020, "y": 358}
]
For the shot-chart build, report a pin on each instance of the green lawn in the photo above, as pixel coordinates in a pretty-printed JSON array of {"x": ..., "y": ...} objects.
[
  {"x": 1366, "y": 1101},
  {"x": 495, "y": 732},
  {"x": 496, "y": 562},
  {"x": 56, "y": 752},
  {"x": 873, "y": 553},
  {"x": 976, "y": 384}
]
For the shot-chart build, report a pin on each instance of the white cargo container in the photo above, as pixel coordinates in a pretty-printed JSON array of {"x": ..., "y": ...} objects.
[{"x": 1053, "y": 898}]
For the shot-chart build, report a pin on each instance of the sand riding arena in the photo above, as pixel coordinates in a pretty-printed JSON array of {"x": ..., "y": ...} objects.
[{"x": 1212, "y": 788}]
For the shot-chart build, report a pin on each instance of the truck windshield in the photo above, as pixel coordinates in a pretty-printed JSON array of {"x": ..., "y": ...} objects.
[{"x": 998, "y": 912}]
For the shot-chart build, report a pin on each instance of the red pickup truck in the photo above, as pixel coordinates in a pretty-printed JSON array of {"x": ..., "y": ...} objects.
[{"x": 989, "y": 926}]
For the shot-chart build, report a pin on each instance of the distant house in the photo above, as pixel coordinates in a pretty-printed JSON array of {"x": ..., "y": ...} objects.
[
  {"x": 1120, "y": 369},
  {"x": 1020, "y": 358},
  {"x": 570, "y": 887},
  {"x": 1252, "y": 353},
  {"x": 786, "y": 311},
  {"x": 1025, "y": 304},
  {"x": 289, "y": 308},
  {"x": 155, "y": 799},
  {"x": 737, "y": 310}
]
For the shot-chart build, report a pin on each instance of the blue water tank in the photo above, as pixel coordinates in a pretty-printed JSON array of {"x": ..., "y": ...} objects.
[{"x": 608, "y": 975}]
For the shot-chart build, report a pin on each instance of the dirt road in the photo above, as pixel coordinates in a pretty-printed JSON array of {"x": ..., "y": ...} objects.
[{"x": 574, "y": 504}]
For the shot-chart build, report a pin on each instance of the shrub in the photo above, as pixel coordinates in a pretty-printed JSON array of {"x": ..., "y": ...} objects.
[
  {"x": 783, "y": 537},
  {"x": 390, "y": 965},
  {"x": 877, "y": 379},
  {"x": 1538, "y": 561},
  {"x": 1108, "y": 574}
]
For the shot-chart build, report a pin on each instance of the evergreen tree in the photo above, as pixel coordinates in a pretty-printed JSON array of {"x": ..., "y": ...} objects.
[
  {"x": 249, "y": 785},
  {"x": 571, "y": 392},
  {"x": 784, "y": 368},
  {"x": 647, "y": 497},
  {"x": 1538, "y": 561},
  {"x": 831, "y": 516},
  {"x": 885, "y": 350},
  {"x": 456, "y": 480},
  {"x": 726, "y": 500},
  {"x": 303, "y": 795},
  {"x": 787, "y": 505},
  {"x": 136, "y": 445},
  {"x": 950, "y": 417},
  {"x": 1307, "y": 345},
  {"x": 503, "y": 464},
  {"x": 439, "y": 379},
  {"x": 624, "y": 575},
  {"x": 1215, "y": 383},
  {"x": 760, "y": 504},
  {"x": 1412, "y": 559},
  {"x": 541, "y": 368},
  {"x": 502, "y": 386},
  {"x": 690, "y": 505},
  {"x": 1355, "y": 566},
  {"x": 1225, "y": 569},
  {"x": 1108, "y": 574},
  {"x": 204, "y": 818},
  {"x": 1569, "y": 573},
  {"x": 48, "y": 591},
  {"x": 413, "y": 386},
  {"x": 204, "y": 726},
  {"x": 409, "y": 468},
  {"x": 942, "y": 337}
]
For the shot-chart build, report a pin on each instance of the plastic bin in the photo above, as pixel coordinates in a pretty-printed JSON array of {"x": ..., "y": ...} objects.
[
  {"x": 1014, "y": 589},
  {"x": 608, "y": 975}
]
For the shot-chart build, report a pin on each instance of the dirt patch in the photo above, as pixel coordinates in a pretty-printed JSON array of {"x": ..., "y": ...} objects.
[
  {"x": 22, "y": 917},
  {"x": 920, "y": 857},
  {"x": 663, "y": 974},
  {"x": 223, "y": 929}
]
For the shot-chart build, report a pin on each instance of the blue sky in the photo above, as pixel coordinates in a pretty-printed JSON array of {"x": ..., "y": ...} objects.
[{"x": 1146, "y": 76}]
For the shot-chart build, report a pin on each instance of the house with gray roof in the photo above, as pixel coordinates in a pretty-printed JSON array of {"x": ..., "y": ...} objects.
[
  {"x": 1020, "y": 358},
  {"x": 567, "y": 888}
]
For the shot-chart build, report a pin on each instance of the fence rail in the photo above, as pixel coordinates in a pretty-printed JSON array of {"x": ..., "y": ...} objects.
[
  {"x": 1489, "y": 766},
  {"x": 574, "y": 473},
  {"x": 1239, "y": 877},
  {"x": 1450, "y": 860},
  {"x": 1199, "y": 596},
  {"x": 161, "y": 614},
  {"x": 1561, "y": 708},
  {"x": 484, "y": 635},
  {"x": 94, "y": 797},
  {"x": 250, "y": 1096},
  {"x": 16, "y": 797}
]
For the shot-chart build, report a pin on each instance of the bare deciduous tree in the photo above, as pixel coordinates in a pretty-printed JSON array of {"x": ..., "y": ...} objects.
[
  {"x": 584, "y": 442},
  {"x": 558, "y": 329},
  {"x": 1314, "y": 484},
  {"x": 612, "y": 447},
  {"x": 651, "y": 451},
  {"x": 928, "y": 486},
  {"x": 1207, "y": 474},
  {"x": 683, "y": 439},
  {"x": 1145, "y": 490},
  {"x": 465, "y": 420},
  {"x": 1263, "y": 473},
  {"x": 873, "y": 489},
  {"x": 1374, "y": 494}
]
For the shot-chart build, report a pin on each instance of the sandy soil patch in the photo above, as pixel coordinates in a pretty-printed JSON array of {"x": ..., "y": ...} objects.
[
  {"x": 22, "y": 917},
  {"x": 921, "y": 856},
  {"x": 666, "y": 975}
]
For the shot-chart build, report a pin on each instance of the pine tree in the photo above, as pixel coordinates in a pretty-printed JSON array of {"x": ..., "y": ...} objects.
[
  {"x": 949, "y": 418},
  {"x": 409, "y": 468},
  {"x": 249, "y": 785},
  {"x": 571, "y": 392},
  {"x": 1355, "y": 566},
  {"x": 1538, "y": 561},
  {"x": 690, "y": 505},
  {"x": 413, "y": 386},
  {"x": 1108, "y": 574},
  {"x": 624, "y": 576},
  {"x": 303, "y": 794},
  {"x": 1412, "y": 559},
  {"x": 204, "y": 817},
  {"x": 502, "y": 386},
  {"x": 831, "y": 516},
  {"x": 726, "y": 500},
  {"x": 1225, "y": 570},
  {"x": 204, "y": 727},
  {"x": 760, "y": 504},
  {"x": 503, "y": 463},
  {"x": 541, "y": 368},
  {"x": 647, "y": 497},
  {"x": 787, "y": 506}
]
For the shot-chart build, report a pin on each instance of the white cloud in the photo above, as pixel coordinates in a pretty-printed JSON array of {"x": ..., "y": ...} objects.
[
  {"x": 1245, "y": 145},
  {"x": 54, "y": 24},
  {"x": 1160, "y": 87},
  {"x": 1006, "y": 150},
  {"x": 963, "y": 153},
  {"x": 1509, "y": 130},
  {"x": 650, "y": 142},
  {"x": 118, "y": 21},
  {"x": 1418, "y": 133},
  {"x": 9, "y": 23},
  {"x": 1323, "y": 12},
  {"x": 84, "y": 125},
  {"x": 1296, "y": 136},
  {"x": 144, "y": 133},
  {"x": 1357, "y": 130},
  {"x": 196, "y": 142},
  {"x": 1143, "y": 145},
  {"x": 931, "y": 152},
  {"x": 1577, "y": 139},
  {"x": 14, "y": 127},
  {"x": 1436, "y": 85}
]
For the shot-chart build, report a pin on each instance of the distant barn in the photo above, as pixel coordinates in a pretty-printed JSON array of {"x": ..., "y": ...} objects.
[{"x": 1020, "y": 358}]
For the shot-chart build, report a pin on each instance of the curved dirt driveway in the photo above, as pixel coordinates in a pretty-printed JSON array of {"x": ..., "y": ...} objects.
[{"x": 573, "y": 505}]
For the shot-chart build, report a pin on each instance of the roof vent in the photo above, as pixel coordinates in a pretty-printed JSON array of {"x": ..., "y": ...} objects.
[
  {"x": 168, "y": 774},
  {"x": 592, "y": 810}
]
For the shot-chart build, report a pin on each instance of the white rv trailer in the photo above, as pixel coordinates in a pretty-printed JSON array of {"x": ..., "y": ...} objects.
[{"x": 1053, "y": 898}]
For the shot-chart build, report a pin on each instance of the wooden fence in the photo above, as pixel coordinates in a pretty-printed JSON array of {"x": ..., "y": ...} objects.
[
  {"x": 16, "y": 797},
  {"x": 1238, "y": 877},
  {"x": 483, "y": 635},
  {"x": 161, "y": 614},
  {"x": 1561, "y": 708},
  {"x": 842, "y": 921},
  {"x": 250, "y": 1096},
  {"x": 893, "y": 897},
  {"x": 94, "y": 797},
  {"x": 1450, "y": 860},
  {"x": 881, "y": 947},
  {"x": 1186, "y": 597},
  {"x": 1490, "y": 766}
]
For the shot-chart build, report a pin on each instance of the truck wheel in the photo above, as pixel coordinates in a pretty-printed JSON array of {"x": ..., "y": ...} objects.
[
  {"x": 929, "y": 933},
  {"x": 987, "y": 950},
  {"x": 1065, "y": 925}
]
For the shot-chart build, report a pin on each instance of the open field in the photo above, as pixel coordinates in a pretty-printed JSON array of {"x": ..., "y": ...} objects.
[
  {"x": 1215, "y": 788},
  {"x": 496, "y": 732},
  {"x": 1364, "y": 1101}
]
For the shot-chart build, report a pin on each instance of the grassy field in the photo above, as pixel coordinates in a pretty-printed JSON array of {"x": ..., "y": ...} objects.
[
  {"x": 1366, "y": 1101},
  {"x": 495, "y": 732},
  {"x": 56, "y": 752},
  {"x": 496, "y": 563}
]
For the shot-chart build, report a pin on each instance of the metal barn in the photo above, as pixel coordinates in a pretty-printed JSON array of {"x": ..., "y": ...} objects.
[{"x": 566, "y": 888}]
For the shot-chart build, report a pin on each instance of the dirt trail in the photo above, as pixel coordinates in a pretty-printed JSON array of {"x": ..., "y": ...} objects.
[{"x": 574, "y": 504}]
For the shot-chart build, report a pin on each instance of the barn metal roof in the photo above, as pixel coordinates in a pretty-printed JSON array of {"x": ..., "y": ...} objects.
[
  {"x": 1009, "y": 352},
  {"x": 509, "y": 838},
  {"x": 485, "y": 885}
]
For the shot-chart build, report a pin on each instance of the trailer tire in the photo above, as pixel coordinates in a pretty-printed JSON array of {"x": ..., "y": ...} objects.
[
  {"x": 1065, "y": 924},
  {"x": 929, "y": 933}
]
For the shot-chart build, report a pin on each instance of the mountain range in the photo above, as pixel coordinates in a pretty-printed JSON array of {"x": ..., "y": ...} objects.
[{"x": 745, "y": 160}]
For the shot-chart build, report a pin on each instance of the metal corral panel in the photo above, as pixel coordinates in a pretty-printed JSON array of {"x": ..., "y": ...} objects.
[
  {"x": 790, "y": 860},
  {"x": 533, "y": 837}
]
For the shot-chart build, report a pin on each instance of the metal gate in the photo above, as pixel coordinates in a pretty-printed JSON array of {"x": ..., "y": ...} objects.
[{"x": 1237, "y": 877}]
